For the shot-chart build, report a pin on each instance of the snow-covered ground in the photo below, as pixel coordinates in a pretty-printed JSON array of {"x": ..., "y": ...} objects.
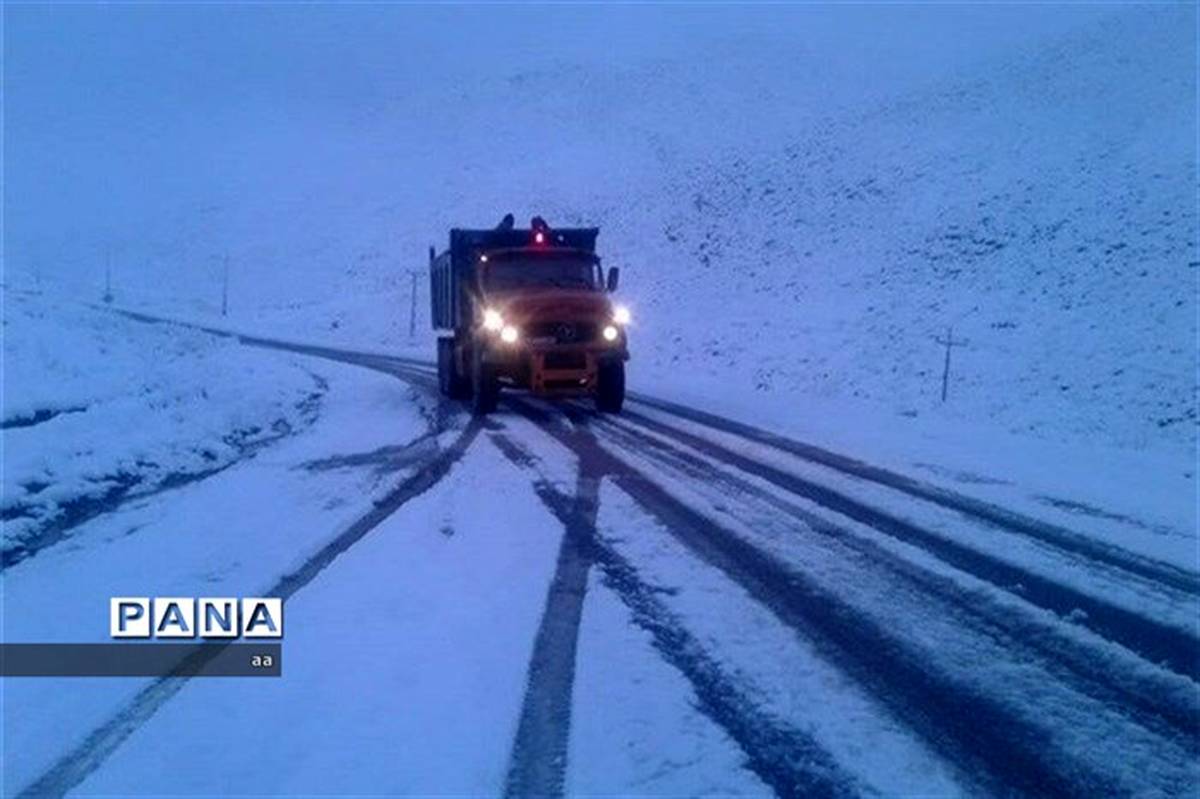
[
  {"x": 446, "y": 647},
  {"x": 789, "y": 569},
  {"x": 97, "y": 411},
  {"x": 229, "y": 531}
]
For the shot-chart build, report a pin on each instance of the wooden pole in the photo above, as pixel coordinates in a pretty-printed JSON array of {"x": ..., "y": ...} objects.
[
  {"x": 412, "y": 306},
  {"x": 225, "y": 286},
  {"x": 108, "y": 296},
  {"x": 946, "y": 365},
  {"x": 949, "y": 341}
]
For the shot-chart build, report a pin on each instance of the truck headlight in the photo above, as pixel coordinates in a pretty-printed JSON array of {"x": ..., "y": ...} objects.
[
  {"x": 492, "y": 320},
  {"x": 621, "y": 315},
  {"x": 610, "y": 333},
  {"x": 509, "y": 334}
]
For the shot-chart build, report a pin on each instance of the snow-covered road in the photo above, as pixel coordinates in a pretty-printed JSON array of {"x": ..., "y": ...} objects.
[{"x": 668, "y": 602}]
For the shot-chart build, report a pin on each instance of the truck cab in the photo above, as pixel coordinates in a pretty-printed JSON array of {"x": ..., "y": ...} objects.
[{"x": 528, "y": 309}]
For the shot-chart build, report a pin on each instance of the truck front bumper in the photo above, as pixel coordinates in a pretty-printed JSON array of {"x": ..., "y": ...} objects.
[{"x": 553, "y": 371}]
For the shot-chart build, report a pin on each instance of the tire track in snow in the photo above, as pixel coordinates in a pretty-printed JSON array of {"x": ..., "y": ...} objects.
[
  {"x": 127, "y": 487},
  {"x": 538, "y": 763},
  {"x": 985, "y": 739},
  {"x": 1054, "y": 535},
  {"x": 791, "y": 762},
  {"x": 1168, "y": 706},
  {"x": 966, "y": 726},
  {"x": 788, "y": 760},
  {"x": 411, "y": 369},
  {"x": 998, "y": 516},
  {"x": 74, "y": 767},
  {"x": 1153, "y": 640}
]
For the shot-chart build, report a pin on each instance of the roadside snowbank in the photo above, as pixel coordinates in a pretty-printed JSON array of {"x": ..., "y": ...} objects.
[{"x": 97, "y": 409}]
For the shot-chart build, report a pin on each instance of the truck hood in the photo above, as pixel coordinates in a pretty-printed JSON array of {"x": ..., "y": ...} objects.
[{"x": 551, "y": 305}]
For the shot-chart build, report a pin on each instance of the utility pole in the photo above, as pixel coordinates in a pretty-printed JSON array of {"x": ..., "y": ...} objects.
[
  {"x": 412, "y": 306},
  {"x": 949, "y": 341},
  {"x": 225, "y": 286},
  {"x": 108, "y": 295}
]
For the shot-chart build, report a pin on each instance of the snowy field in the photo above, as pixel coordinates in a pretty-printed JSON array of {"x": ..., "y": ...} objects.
[
  {"x": 95, "y": 414},
  {"x": 787, "y": 569}
]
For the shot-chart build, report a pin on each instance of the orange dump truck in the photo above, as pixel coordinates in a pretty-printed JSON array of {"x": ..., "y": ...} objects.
[{"x": 528, "y": 309}]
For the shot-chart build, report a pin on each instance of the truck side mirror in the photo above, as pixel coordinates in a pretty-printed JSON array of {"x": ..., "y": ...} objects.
[{"x": 614, "y": 277}]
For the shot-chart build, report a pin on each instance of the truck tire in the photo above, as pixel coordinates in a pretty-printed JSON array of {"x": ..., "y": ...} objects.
[
  {"x": 445, "y": 363},
  {"x": 610, "y": 388},
  {"x": 460, "y": 384},
  {"x": 451, "y": 382},
  {"x": 485, "y": 387}
]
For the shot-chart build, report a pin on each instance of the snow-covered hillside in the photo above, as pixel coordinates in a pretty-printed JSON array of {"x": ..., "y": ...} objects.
[
  {"x": 801, "y": 198},
  {"x": 1039, "y": 204}
]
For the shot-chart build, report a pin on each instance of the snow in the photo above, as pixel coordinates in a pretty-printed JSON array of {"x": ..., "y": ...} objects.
[
  {"x": 445, "y": 671},
  {"x": 646, "y": 738},
  {"x": 231, "y": 534},
  {"x": 1096, "y": 740},
  {"x": 130, "y": 409},
  {"x": 792, "y": 219},
  {"x": 788, "y": 677},
  {"x": 801, "y": 199},
  {"x": 1153, "y": 521}
]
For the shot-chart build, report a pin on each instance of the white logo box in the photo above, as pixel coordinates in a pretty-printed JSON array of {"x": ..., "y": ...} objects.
[{"x": 189, "y": 617}]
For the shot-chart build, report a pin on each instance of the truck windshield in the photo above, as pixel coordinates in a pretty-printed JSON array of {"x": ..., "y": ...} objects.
[{"x": 542, "y": 272}]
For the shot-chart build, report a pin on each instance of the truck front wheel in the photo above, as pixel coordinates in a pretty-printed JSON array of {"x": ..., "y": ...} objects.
[
  {"x": 610, "y": 388},
  {"x": 451, "y": 381},
  {"x": 485, "y": 388}
]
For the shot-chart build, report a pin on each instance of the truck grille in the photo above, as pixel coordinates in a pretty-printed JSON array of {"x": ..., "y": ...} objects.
[
  {"x": 565, "y": 360},
  {"x": 564, "y": 332}
]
